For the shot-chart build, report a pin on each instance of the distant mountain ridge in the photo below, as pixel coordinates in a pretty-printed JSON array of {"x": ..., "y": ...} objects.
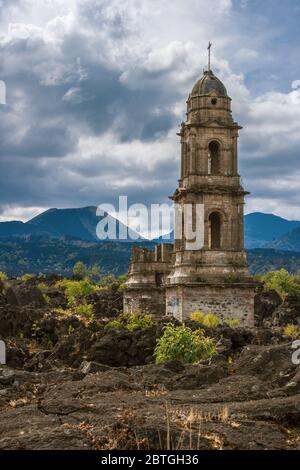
[
  {"x": 264, "y": 231},
  {"x": 289, "y": 241},
  {"x": 261, "y": 230},
  {"x": 80, "y": 223}
]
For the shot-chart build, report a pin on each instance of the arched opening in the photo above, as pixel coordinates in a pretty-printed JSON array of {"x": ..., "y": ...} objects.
[
  {"x": 213, "y": 158},
  {"x": 214, "y": 231}
]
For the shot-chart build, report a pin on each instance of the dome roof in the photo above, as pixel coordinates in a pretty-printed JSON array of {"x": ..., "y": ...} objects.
[{"x": 209, "y": 82}]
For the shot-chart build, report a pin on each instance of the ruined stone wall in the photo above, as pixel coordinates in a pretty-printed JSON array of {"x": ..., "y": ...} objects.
[
  {"x": 225, "y": 301},
  {"x": 151, "y": 300}
]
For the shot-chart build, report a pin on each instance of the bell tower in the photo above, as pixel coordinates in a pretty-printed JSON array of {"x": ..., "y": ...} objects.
[{"x": 213, "y": 277}]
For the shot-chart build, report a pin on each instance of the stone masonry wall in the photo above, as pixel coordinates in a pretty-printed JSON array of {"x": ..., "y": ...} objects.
[
  {"x": 225, "y": 301},
  {"x": 145, "y": 300}
]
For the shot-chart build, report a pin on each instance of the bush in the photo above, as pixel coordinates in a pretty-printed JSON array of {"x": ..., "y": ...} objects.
[
  {"x": 27, "y": 277},
  {"x": 209, "y": 320},
  {"x": 77, "y": 291},
  {"x": 282, "y": 282},
  {"x": 62, "y": 312},
  {"x": 109, "y": 281},
  {"x": 42, "y": 286},
  {"x": 131, "y": 321},
  {"x": 197, "y": 316},
  {"x": 292, "y": 331},
  {"x": 114, "y": 324},
  {"x": 82, "y": 271},
  {"x": 85, "y": 310},
  {"x": 182, "y": 343},
  {"x": 232, "y": 322},
  {"x": 3, "y": 276},
  {"x": 139, "y": 320}
]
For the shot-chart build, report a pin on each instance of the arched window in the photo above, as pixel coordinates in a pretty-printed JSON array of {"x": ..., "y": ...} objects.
[
  {"x": 213, "y": 158},
  {"x": 214, "y": 231}
]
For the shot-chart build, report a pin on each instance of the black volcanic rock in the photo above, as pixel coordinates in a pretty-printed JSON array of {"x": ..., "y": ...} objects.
[{"x": 265, "y": 303}]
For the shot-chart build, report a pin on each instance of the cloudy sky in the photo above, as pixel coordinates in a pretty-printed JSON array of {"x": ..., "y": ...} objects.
[{"x": 96, "y": 89}]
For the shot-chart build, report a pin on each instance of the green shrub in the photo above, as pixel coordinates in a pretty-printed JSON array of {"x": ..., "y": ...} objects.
[
  {"x": 282, "y": 282},
  {"x": 3, "y": 276},
  {"x": 109, "y": 281},
  {"x": 70, "y": 329},
  {"x": 210, "y": 320},
  {"x": 197, "y": 316},
  {"x": 77, "y": 291},
  {"x": 79, "y": 269},
  {"x": 131, "y": 321},
  {"x": 182, "y": 343},
  {"x": 27, "y": 277},
  {"x": 139, "y": 320},
  {"x": 122, "y": 281},
  {"x": 42, "y": 286},
  {"x": 46, "y": 299},
  {"x": 114, "y": 324},
  {"x": 85, "y": 310},
  {"x": 62, "y": 312},
  {"x": 82, "y": 271},
  {"x": 292, "y": 331},
  {"x": 232, "y": 322}
]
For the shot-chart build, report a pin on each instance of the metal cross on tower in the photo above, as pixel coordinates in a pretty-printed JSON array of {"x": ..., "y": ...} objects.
[{"x": 209, "y": 47}]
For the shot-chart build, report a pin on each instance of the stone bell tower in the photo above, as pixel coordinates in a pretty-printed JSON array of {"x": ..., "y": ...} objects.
[{"x": 213, "y": 278}]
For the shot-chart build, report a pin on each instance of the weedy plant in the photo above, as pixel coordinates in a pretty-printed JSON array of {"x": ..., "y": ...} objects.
[
  {"x": 232, "y": 322},
  {"x": 86, "y": 311},
  {"x": 209, "y": 320},
  {"x": 282, "y": 282},
  {"x": 182, "y": 343},
  {"x": 3, "y": 276},
  {"x": 291, "y": 331},
  {"x": 131, "y": 321},
  {"x": 27, "y": 277}
]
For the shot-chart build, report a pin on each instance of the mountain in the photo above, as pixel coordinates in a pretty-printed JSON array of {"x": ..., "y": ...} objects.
[
  {"x": 261, "y": 229},
  {"x": 78, "y": 223},
  {"x": 260, "y": 232},
  {"x": 17, "y": 228},
  {"x": 289, "y": 241}
]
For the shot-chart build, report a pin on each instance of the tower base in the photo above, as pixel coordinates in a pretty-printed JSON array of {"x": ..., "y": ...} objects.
[
  {"x": 144, "y": 299},
  {"x": 227, "y": 301}
]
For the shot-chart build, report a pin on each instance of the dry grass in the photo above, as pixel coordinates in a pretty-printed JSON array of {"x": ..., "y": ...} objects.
[
  {"x": 19, "y": 402},
  {"x": 185, "y": 417},
  {"x": 157, "y": 391},
  {"x": 182, "y": 430}
]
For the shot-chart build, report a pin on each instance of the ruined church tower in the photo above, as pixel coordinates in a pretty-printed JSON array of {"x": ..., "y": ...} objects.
[
  {"x": 212, "y": 276},
  {"x": 215, "y": 277}
]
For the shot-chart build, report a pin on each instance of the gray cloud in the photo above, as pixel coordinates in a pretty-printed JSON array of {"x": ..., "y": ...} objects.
[{"x": 95, "y": 93}]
